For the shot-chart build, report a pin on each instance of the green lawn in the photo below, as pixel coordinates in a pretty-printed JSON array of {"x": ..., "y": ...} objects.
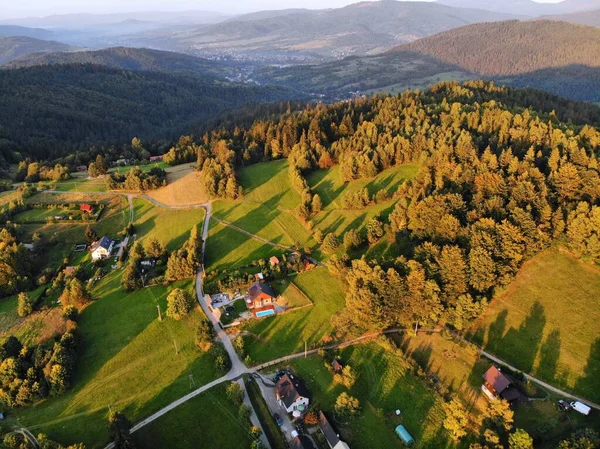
[
  {"x": 268, "y": 182},
  {"x": 457, "y": 366},
  {"x": 29, "y": 329},
  {"x": 276, "y": 336},
  {"x": 42, "y": 215},
  {"x": 128, "y": 361},
  {"x": 384, "y": 384},
  {"x": 229, "y": 317},
  {"x": 292, "y": 295},
  {"x": 208, "y": 421},
  {"x": 331, "y": 188},
  {"x": 170, "y": 226},
  {"x": 76, "y": 184},
  {"x": 227, "y": 248},
  {"x": 264, "y": 220},
  {"x": 546, "y": 323}
]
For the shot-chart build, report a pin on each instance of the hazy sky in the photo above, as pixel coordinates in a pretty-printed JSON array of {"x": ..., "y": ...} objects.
[{"x": 23, "y": 8}]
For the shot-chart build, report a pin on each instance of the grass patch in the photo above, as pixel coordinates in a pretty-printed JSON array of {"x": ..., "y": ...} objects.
[
  {"x": 384, "y": 383},
  {"x": 184, "y": 187},
  {"x": 42, "y": 215},
  {"x": 128, "y": 361},
  {"x": 546, "y": 322},
  {"x": 228, "y": 249},
  {"x": 230, "y": 317},
  {"x": 171, "y": 227},
  {"x": 208, "y": 421},
  {"x": 456, "y": 365},
  {"x": 285, "y": 334},
  {"x": 76, "y": 184},
  {"x": 269, "y": 182},
  {"x": 291, "y": 295}
]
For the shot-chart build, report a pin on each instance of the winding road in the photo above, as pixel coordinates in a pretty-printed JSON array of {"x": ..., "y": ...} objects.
[{"x": 238, "y": 369}]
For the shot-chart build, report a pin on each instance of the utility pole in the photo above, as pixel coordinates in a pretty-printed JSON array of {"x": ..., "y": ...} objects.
[
  {"x": 175, "y": 343},
  {"x": 305, "y": 349},
  {"x": 159, "y": 313},
  {"x": 192, "y": 382}
]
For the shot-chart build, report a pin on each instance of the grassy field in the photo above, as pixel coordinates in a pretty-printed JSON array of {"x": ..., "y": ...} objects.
[
  {"x": 76, "y": 184},
  {"x": 457, "y": 367},
  {"x": 546, "y": 322},
  {"x": 384, "y": 384},
  {"x": 208, "y": 421},
  {"x": 33, "y": 329},
  {"x": 184, "y": 187},
  {"x": 128, "y": 361},
  {"x": 170, "y": 226},
  {"x": 285, "y": 334},
  {"x": 331, "y": 188},
  {"x": 113, "y": 220},
  {"x": 227, "y": 248},
  {"x": 291, "y": 295},
  {"x": 42, "y": 215},
  {"x": 267, "y": 182}
]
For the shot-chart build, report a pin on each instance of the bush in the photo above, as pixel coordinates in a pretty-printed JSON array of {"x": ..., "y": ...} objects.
[
  {"x": 70, "y": 313},
  {"x": 179, "y": 303},
  {"x": 330, "y": 243}
]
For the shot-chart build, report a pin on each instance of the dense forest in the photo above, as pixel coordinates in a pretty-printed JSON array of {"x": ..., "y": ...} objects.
[
  {"x": 51, "y": 111},
  {"x": 497, "y": 183}
]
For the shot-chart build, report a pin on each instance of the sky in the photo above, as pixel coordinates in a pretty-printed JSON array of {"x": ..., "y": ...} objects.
[{"x": 10, "y": 9}]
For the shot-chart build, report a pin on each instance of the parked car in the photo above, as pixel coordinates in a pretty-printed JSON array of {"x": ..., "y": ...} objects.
[
  {"x": 278, "y": 419},
  {"x": 564, "y": 406}
]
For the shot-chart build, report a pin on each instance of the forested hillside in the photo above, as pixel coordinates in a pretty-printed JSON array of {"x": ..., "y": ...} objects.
[
  {"x": 15, "y": 47},
  {"x": 513, "y": 48},
  {"x": 129, "y": 59},
  {"x": 49, "y": 111},
  {"x": 497, "y": 183}
]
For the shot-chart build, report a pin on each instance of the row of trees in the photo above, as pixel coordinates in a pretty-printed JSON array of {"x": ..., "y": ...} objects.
[
  {"x": 137, "y": 180},
  {"x": 29, "y": 171}
]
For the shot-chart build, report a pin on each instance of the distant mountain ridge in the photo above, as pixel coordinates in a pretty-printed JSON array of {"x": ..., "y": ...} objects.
[
  {"x": 589, "y": 18},
  {"x": 357, "y": 29},
  {"x": 139, "y": 59},
  {"x": 15, "y": 30},
  {"x": 525, "y": 7},
  {"x": 17, "y": 46}
]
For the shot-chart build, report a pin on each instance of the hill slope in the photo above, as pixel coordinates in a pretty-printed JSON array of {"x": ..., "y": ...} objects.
[
  {"x": 49, "y": 110},
  {"x": 15, "y": 30},
  {"x": 128, "y": 59},
  {"x": 511, "y": 48},
  {"x": 16, "y": 46},
  {"x": 361, "y": 28}
]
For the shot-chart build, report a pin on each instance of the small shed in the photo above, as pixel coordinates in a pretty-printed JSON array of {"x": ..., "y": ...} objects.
[
  {"x": 273, "y": 261},
  {"x": 337, "y": 366},
  {"x": 406, "y": 437}
]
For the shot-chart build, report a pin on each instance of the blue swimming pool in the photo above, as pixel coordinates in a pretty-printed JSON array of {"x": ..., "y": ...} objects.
[{"x": 265, "y": 313}]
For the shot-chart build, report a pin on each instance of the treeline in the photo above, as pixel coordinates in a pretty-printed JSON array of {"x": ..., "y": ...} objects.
[
  {"x": 137, "y": 180},
  {"x": 32, "y": 172}
]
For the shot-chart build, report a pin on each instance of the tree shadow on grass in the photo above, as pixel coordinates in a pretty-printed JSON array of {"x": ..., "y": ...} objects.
[
  {"x": 549, "y": 355},
  {"x": 589, "y": 383}
]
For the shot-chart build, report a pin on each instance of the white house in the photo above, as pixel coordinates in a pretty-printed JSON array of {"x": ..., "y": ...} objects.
[
  {"x": 102, "y": 248},
  {"x": 291, "y": 394}
]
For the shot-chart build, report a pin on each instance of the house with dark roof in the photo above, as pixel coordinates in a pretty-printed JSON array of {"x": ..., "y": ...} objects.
[
  {"x": 497, "y": 385},
  {"x": 332, "y": 437},
  {"x": 102, "y": 248},
  {"x": 291, "y": 393},
  {"x": 260, "y": 294}
]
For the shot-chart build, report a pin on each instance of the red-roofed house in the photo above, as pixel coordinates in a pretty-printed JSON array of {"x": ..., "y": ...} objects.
[
  {"x": 497, "y": 385},
  {"x": 86, "y": 208},
  {"x": 273, "y": 261}
]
